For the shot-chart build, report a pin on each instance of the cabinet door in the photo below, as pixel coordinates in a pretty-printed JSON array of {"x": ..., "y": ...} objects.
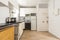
[
  {"x": 20, "y": 30},
  {"x": 23, "y": 25}
]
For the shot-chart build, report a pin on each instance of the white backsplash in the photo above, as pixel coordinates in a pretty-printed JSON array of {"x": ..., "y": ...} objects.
[{"x": 4, "y": 13}]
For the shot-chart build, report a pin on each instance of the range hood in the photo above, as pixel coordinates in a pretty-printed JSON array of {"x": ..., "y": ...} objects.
[{"x": 2, "y": 5}]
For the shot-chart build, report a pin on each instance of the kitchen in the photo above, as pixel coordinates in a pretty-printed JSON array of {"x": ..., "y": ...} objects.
[{"x": 28, "y": 20}]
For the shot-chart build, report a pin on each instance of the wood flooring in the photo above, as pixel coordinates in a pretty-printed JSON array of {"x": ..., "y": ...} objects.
[{"x": 34, "y": 35}]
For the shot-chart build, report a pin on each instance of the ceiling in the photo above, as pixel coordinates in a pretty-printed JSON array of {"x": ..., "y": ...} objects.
[
  {"x": 2, "y": 5},
  {"x": 31, "y": 2}
]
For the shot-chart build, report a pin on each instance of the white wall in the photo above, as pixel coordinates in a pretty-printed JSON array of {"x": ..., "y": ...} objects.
[
  {"x": 24, "y": 11},
  {"x": 4, "y": 13},
  {"x": 16, "y": 13},
  {"x": 54, "y": 18},
  {"x": 42, "y": 15}
]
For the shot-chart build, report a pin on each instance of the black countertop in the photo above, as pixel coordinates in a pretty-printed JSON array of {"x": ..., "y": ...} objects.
[{"x": 5, "y": 25}]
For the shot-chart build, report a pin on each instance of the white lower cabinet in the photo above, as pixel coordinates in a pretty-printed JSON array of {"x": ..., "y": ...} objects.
[{"x": 21, "y": 27}]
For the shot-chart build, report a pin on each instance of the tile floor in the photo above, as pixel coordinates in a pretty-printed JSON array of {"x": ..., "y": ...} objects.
[{"x": 34, "y": 35}]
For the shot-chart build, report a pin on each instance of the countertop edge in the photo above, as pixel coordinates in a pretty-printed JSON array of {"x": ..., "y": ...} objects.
[{"x": 8, "y": 25}]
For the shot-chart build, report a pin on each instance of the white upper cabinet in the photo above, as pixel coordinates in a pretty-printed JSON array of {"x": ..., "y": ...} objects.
[{"x": 5, "y": 2}]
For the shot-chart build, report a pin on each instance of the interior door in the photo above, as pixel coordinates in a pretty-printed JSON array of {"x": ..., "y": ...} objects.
[{"x": 42, "y": 19}]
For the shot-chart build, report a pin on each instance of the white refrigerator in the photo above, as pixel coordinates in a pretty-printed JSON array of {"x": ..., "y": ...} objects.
[{"x": 33, "y": 21}]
